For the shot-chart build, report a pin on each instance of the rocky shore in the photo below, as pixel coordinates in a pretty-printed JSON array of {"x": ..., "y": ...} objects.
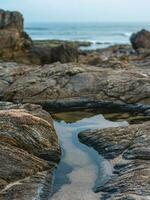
[
  {"x": 29, "y": 152},
  {"x": 16, "y": 45},
  {"x": 58, "y": 85},
  {"x": 61, "y": 77},
  {"x": 128, "y": 150}
]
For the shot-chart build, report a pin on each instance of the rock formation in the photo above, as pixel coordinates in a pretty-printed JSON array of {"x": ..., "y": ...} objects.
[
  {"x": 29, "y": 152},
  {"x": 128, "y": 150},
  {"x": 64, "y": 53},
  {"x": 9, "y": 72},
  {"x": 16, "y": 45},
  {"x": 141, "y": 41},
  {"x": 14, "y": 42},
  {"x": 65, "y": 83},
  {"x": 11, "y": 20}
]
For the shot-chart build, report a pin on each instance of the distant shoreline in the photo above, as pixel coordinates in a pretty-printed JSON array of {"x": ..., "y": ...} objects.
[{"x": 83, "y": 45}]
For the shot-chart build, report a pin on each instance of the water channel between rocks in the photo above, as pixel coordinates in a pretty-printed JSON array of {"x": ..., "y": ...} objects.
[{"x": 81, "y": 167}]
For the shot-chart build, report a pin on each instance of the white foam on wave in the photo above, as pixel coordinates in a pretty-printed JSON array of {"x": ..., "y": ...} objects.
[{"x": 127, "y": 34}]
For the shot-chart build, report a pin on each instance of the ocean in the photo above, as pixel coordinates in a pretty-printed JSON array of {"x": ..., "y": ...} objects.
[{"x": 100, "y": 34}]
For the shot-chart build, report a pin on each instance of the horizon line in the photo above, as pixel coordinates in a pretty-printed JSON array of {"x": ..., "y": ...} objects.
[{"x": 123, "y": 21}]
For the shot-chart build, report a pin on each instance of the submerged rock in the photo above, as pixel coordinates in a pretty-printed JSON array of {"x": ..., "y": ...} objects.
[
  {"x": 128, "y": 149},
  {"x": 29, "y": 152}
]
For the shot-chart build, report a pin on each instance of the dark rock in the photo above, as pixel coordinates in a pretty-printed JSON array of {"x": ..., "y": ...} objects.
[
  {"x": 41, "y": 55},
  {"x": 11, "y": 20},
  {"x": 141, "y": 40},
  {"x": 64, "y": 53}
]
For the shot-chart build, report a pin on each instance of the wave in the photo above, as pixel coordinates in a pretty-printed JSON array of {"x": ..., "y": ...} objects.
[{"x": 128, "y": 34}]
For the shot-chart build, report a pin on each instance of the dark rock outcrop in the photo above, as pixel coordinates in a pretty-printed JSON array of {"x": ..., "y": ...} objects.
[
  {"x": 11, "y": 20},
  {"x": 64, "y": 53},
  {"x": 141, "y": 41},
  {"x": 29, "y": 152},
  {"x": 15, "y": 44},
  {"x": 60, "y": 83},
  {"x": 128, "y": 150}
]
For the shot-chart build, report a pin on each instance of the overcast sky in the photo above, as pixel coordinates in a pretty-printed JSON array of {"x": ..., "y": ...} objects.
[{"x": 80, "y": 10}]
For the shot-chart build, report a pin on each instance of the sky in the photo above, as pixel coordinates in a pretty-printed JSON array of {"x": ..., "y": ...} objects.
[{"x": 80, "y": 10}]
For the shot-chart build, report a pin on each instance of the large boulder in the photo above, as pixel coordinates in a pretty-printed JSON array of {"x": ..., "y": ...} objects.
[
  {"x": 64, "y": 53},
  {"x": 29, "y": 152},
  {"x": 14, "y": 42},
  {"x": 141, "y": 41}
]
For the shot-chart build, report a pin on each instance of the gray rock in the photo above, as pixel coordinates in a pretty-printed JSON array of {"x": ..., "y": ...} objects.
[
  {"x": 59, "y": 83},
  {"x": 129, "y": 148},
  {"x": 141, "y": 41}
]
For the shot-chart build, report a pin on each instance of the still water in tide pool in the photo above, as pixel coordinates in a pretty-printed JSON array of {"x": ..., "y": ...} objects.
[{"x": 81, "y": 167}]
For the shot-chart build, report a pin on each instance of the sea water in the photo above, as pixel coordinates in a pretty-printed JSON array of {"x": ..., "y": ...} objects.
[{"x": 100, "y": 34}]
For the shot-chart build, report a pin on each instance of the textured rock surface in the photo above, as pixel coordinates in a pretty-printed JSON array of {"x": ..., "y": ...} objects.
[
  {"x": 11, "y": 20},
  {"x": 64, "y": 53},
  {"x": 128, "y": 149},
  {"x": 14, "y": 42},
  {"x": 141, "y": 40},
  {"x": 29, "y": 152},
  {"x": 96, "y": 57},
  {"x": 9, "y": 72},
  {"x": 77, "y": 82},
  {"x": 32, "y": 109}
]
